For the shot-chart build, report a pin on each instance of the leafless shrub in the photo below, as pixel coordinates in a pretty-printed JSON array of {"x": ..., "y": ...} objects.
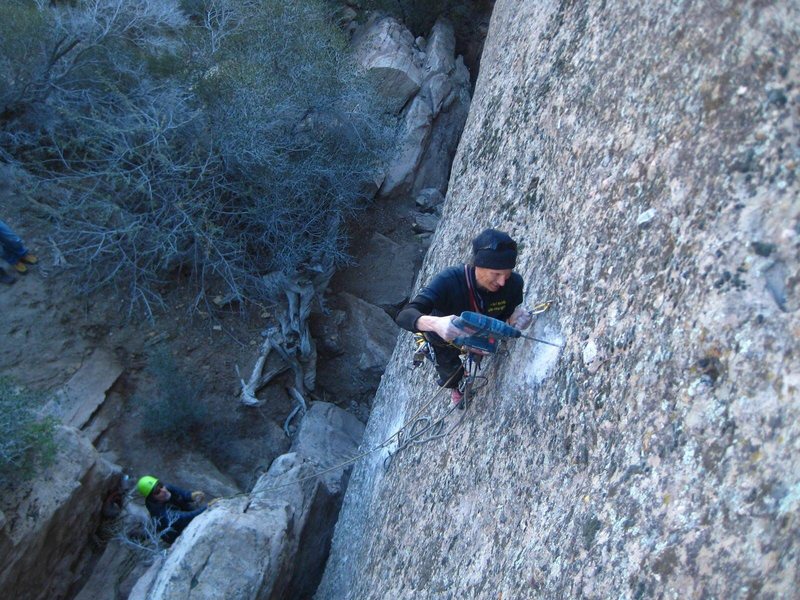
[{"x": 226, "y": 142}]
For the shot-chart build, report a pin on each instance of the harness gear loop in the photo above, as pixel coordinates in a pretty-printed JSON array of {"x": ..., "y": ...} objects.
[{"x": 422, "y": 350}]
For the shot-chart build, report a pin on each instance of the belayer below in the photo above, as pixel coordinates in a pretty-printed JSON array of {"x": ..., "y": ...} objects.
[
  {"x": 171, "y": 507},
  {"x": 488, "y": 285}
]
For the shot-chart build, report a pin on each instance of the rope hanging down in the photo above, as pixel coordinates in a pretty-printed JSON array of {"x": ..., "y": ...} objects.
[
  {"x": 358, "y": 457},
  {"x": 435, "y": 428}
]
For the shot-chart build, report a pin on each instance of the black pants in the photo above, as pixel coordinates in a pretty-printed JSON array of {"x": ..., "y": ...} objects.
[{"x": 448, "y": 364}]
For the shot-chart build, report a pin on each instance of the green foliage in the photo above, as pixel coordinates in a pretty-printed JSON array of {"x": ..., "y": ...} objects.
[
  {"x": 223, "y": 139},
  {"x": 20, "y": 60},
  {"x": 26, "y": 439},
  {"x": 176, "y": 413}
]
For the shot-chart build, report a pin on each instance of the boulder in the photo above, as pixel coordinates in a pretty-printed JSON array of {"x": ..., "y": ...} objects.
[
  {"x": 200, "y": 473},
  {"x": 410, "y": 145},
  {"x": 432, "y": 121},
  {"x": 368, "y": 337},
  {"x": 370, "y": 332},
  {"x": 328, "y": 436},
  {"x": 441, "y": 48},
  {"x": 232, "y": 551},
  {"x": 386, "y": 48},
  {"x": 433, "y": 170},
  {"x": 429, "y": 200},
  {"x": 83, "y": 395},
  {"x": 384, "y": 275},
  {"x": 49, "y": 521},
  {"x": 425, "y": 223}
]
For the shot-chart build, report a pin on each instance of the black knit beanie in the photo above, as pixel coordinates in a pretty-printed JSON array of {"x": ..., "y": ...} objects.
[{"x": 494, "y": 249}]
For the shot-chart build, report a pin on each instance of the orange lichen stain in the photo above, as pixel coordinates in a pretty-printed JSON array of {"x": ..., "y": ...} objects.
[{"x": 646, "y": 440}]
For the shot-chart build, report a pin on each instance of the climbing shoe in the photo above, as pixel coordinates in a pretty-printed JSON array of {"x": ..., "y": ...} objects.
[
  {"x": 20, "y": 267},
  {"x": 30, "y": 259},
  {"x": 457, "y": 400}
]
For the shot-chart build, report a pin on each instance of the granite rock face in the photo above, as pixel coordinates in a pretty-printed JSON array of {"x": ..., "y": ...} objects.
[
  {"x": 645, "y": 156},
  {"x": 44, "y": 536}
]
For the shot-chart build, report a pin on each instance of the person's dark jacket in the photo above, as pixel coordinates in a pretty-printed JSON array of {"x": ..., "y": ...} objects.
[
  {"x": 175, "y": 514},
  {"x": 449, "y": 294}
]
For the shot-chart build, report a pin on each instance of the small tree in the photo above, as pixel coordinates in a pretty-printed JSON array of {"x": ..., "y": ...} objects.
[
  {"x": 26, "y": 438},
  {"x": 176, "y": 411}
]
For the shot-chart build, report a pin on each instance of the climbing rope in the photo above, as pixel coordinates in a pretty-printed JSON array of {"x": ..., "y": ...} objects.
[
  {"x": 397, "y": 434},
  {"x": 425, "y": 428}
]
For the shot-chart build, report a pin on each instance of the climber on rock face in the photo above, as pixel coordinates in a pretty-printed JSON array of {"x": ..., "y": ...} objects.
[
  {"x": 488, "y": 285},
  {"x": 170, "y": 506}
]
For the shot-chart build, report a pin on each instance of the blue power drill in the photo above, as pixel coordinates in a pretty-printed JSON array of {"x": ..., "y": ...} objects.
[{"x": 485, "y": 331}]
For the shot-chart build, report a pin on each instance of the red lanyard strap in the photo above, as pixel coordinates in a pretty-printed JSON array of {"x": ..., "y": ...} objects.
[{"x": 472, "y": 299}]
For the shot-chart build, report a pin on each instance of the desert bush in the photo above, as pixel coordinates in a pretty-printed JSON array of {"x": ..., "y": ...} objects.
[
  {"x": 26, "y": 438},
  {"x": 176, "y": 412},
  {"x": 225, "y": 139}
]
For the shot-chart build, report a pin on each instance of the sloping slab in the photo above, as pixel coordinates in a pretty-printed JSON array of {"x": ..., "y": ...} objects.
[{"x": 86, "y": 391}]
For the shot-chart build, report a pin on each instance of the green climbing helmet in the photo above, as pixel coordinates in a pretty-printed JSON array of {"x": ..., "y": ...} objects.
[{"x": 146, "y": 485}]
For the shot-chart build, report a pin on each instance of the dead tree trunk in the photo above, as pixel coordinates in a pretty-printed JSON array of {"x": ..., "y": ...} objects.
[{"x": 291, "y": 339}]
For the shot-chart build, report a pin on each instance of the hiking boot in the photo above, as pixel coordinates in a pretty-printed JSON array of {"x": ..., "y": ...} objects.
[
  {"x": 21, "y": 268},
  {"x": 457, "y": 400},
  {"x": 6, "y": 278},
  {"x": 31, "y": 259}
]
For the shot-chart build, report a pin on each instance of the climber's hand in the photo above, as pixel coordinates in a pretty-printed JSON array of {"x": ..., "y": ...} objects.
[
  {"x": 446, "y": 330},
  {"x": 521, "y": 318},
  {"x": 198, "y": 497}
]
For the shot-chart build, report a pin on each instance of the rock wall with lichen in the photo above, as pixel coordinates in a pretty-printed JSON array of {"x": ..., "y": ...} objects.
[
  {"x": 47, "y": 522},
  {"x": 645, "y": 155}
]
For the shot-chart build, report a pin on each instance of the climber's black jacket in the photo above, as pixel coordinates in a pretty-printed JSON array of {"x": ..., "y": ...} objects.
[
  {"x": 175, "y": 514},
  {"x": 449, "y": 294}
]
